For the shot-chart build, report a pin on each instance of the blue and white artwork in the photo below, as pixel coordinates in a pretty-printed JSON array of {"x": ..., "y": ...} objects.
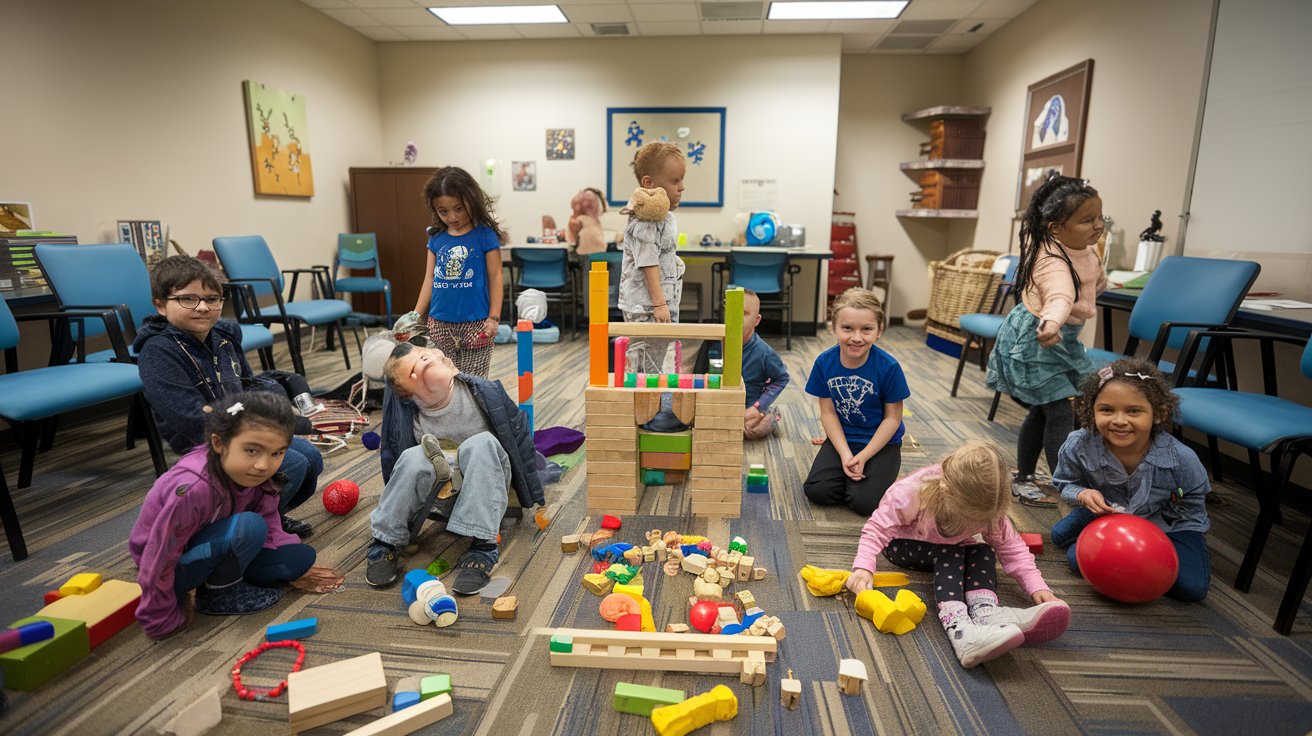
[{"x": 698, "y": 131}]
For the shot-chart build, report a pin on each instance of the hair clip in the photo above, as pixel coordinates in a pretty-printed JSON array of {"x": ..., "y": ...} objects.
[
  {"x": 1104, "y": 375},
  {"x": 236, "y": 408},
  {"x": 1140, "y": 376}
]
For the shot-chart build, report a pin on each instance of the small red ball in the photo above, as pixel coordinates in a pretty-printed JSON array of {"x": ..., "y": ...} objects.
[
  {"x": 702, "y": 615},
  {"x": 340, "y": 496}
]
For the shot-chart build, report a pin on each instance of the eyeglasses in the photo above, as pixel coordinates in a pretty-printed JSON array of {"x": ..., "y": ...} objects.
[{"x": 191, "y": 301}]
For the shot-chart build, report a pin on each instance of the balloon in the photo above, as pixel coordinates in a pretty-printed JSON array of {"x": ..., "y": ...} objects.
[{"x": 1127, "y": 558}]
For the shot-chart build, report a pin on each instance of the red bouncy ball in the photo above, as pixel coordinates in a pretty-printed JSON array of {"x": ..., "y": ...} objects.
[
  {"x": 340, "y": 496},
  {"x": 702, "y": 615},
  {"x": 1127, "y": 558}
]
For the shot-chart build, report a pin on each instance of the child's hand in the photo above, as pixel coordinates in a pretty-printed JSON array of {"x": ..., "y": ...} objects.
[
  {"x": 662, "y": 313},
  {"x": 1043, "y": 596},
  {"x": 1049, "y": 333},
  {"x": 855, "y": 467},
  {"x": 1094, "y": 502},
  {"x": 490, "y": 326},
  {"x": 753, "y": 414},
  {"x": 859, "y": 580}
]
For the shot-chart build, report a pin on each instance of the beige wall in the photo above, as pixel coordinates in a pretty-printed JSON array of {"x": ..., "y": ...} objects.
[{"x": 134, "y": 110}]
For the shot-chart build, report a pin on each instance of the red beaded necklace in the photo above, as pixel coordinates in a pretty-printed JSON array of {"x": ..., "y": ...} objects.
[{"x": 245, "y": 694}]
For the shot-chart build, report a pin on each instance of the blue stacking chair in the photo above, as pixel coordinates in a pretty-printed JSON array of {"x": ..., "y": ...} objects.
[
  {"x": 1261, "y": 423},
  {"x": 769, "y": 274},
  {"x": 247, "y": 260},
  {"x": 359, "y": 252},
  {"x": 981, "y": 328},
  {"x": 550, "y": 271},
  {"x": 27, "y": 398}
]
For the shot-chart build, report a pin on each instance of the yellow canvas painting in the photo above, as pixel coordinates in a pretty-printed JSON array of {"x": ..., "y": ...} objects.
[{"x": 280, "y": 156}]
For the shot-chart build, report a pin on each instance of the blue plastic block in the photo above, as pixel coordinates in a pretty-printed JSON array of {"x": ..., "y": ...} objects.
[
  {"x": 298, "y": 629},
  {"x": 404, "y": 699},
  {"x": 617, "y": 550},
  {"x": 411, "y": 583},
  {"x": 690, "y": 549},
  {"x": 733, "y": 629},
  {"x": 750, "y": 616}
]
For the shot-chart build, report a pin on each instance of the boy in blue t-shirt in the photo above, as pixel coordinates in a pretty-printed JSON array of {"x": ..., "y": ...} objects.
[
  {"x": 860, "y": 389},
  {"x": 764, "y": 374}
]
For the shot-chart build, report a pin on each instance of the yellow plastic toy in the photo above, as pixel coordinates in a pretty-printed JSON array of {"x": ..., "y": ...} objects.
[
  {"x": 720, "y": 704},
  {"x": 822, "y": 582},
  {"x": 891, "y": 616},
  {"x": 644, "y": 605}
]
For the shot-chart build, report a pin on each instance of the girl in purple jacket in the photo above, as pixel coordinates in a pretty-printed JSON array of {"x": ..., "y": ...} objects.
[{"x": 211, "y": 523}]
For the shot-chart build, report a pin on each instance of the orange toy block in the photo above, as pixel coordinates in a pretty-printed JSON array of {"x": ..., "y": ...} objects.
[
  {"x": 106, "y": 610},
  {"x": 526, "y": 385},
  {"x": 598, "y": 337},
  {"x": 665, "y": 460}
]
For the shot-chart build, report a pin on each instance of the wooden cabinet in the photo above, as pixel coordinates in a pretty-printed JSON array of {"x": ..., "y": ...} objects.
[
  {"x": 949, "y": 177},
  {"x": 389, "y": 202}
]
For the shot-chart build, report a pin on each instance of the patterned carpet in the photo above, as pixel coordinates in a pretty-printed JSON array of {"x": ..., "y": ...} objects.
[{"x": 1166, "y": 667}]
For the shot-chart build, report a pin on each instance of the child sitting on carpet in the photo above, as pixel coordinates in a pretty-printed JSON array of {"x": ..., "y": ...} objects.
[
  {"x": 210, "y": 524},
  {"x": 1128, "y": 463},
  {"x": 764, "y": 374},
  {"x": 934, "y": 520}
]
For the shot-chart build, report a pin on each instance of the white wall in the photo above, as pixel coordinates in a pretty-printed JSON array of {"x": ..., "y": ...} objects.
[{"x": 134, "y": 110}]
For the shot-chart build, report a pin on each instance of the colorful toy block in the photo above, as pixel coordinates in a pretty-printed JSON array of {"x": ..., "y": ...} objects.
[
  {"x": 738, "y": 544},
  {"x": 563, "y": 643},
  {"x": 665, "y": 441},
  {"x": 629, "y": 622},
  {"x": 597, "y": 584},
  {"x": 569, "y": 544},
  {"x": 411, "y": 582},
  {"x": 713, "y": 382},
  {"x": 21, "y": 636},
  {"x": 403, "y": 700},
  {"x": 106, "y": 610},
  {"x": 621, "y": 358},
  {"x": 298, "y": 629},
  {"x": 613, "y": 551},
  {"x": 630, "y": 379},
  {"x": 665, "y": 460},
  {"x": 434, "y": 685},
  {"x": 611, "y": 522},
  {"x": 81, "y": 584},
  {"x": 891, "y": 616},
  {"x": 720, "y": 704},
  {"x": 1033, "y": 541},
  {"x": 51, "y": 596},
  {"x": 29, "y": 667},
  {"x": 641, "y": 699}
]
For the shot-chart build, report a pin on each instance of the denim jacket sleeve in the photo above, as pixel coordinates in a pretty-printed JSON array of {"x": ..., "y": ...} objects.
[{"x": 1070, "y": 477}]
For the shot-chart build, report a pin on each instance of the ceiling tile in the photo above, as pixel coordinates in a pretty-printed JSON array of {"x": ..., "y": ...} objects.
[
  {"x": 845, "y": 27},
  {"x": 1002, "y": 8},
  {"x": 731, "y": 27},
  {"x": 795, "y": 26},
  {"x": 986, "y": 26},
  {"x": 489, "y": 33},
  {"x": 670, "y": 29},
  {"x": 859, "y": 43},
  {"x": 405, "y": 17},
  {"x": 369, "y": 4},
  {"x": 955, "y": 43},
  {"x": 382, "y": 33},
  {"x": 652, "y": 12},
  {"x": 322, "y": 4},
  {"x": 439, "y": 32},
  {"x": 551, "y": 30},
  {"x": 351, "y": 17},
  {"x": 939, "y": 9},
  {"x": 597, "y": 13}
]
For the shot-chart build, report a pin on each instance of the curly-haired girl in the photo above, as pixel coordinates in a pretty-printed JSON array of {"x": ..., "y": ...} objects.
[{"x": 1123, "y": 461}]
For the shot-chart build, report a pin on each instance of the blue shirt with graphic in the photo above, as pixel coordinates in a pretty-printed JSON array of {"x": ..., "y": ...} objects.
[
  {"x": 460, "y": 275},
  {"x": 859, "y": 394}
]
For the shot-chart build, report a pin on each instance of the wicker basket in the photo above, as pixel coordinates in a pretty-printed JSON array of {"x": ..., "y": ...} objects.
[{"x": 960, "y": 284}]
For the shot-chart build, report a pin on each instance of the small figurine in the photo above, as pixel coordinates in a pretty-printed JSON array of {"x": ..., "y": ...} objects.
[{"x": 1152, "y": 232}]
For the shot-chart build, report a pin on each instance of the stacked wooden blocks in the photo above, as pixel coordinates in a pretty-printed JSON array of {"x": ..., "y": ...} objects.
[
  {"x": 717, "y": 452},
  {"x": 612, "y": 441},
  {"x": 664, "y": 450}
]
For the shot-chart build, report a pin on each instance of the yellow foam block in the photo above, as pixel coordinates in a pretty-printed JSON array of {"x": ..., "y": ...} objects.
[
  {"x": 891, "y": 616},
  {"x": 81, "y": 584},
  {"x": 633, "y": 589},
  {"x": 106, "y": 610}
]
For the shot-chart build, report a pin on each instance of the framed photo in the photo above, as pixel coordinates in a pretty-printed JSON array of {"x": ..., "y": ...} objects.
[
  {"x": 1056, "y": 109},
  {"x": 560, "y": 144},
  {"x": 698, "y": 131},
  {"x": 16, "y": 216},
  {"x": 280, "y": 154},
  {"x": 524, "y": 175}
]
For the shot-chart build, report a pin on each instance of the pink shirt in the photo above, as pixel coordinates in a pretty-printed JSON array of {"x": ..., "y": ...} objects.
[
  {"x": 899, "y": 517},
  {"x": 1051, "y": 293}
]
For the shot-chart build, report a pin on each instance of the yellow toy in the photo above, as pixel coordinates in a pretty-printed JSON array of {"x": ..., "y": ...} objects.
[
  {"x": 720, "y": 704},
  {"x": 822, "y": 582},
  {"x": 891, "y": 616}
]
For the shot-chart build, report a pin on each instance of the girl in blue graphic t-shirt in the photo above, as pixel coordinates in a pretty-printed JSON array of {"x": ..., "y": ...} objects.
[
  {"x": 861, "y": 389},
  {"x": 461, "y": 292}
]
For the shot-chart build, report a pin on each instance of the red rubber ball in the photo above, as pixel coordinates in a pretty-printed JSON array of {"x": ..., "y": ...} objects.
[
  {"x": 1127, "y": 558},
  {"x": 340, "y": 496}
]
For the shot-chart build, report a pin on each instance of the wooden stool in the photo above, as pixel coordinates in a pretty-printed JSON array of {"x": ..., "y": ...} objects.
[{"x": 880, "y": 269}]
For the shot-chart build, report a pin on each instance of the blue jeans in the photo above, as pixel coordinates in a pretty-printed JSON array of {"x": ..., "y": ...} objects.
[
  {"x": 302, "y": 465},
  {"x": 1191, "y": 547},
  {"x": 237, "y": 545}
]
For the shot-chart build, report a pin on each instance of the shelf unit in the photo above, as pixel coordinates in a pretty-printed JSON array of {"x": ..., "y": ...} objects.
[{"x": 949, "y": 178}]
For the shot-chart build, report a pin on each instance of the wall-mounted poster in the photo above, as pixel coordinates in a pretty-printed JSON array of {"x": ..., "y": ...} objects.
[
  {"x": 560, "y": 144},
  {"x": 1053, "y": 138},
  {"x": 15, "y": 216},
  {"x": 280, "y": 156},
  {"x": 524, "y": 175},
  {"x": 698, "y": 131}
]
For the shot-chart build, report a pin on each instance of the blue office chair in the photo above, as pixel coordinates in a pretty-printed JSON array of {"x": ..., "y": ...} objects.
[
  {"x": 247, "y": 259},
  {"x": 550, "y": 271},
  {"x": 769, "y": 274},
  {"x": 27, "y": 398},
  {"x": 1260, "y": 423},
  {"x": 359, "y": 252},
  {"x": 981, "y": 328}
]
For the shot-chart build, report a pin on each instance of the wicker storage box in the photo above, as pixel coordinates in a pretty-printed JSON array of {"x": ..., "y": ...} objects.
[{"x": 962, "y": 283}]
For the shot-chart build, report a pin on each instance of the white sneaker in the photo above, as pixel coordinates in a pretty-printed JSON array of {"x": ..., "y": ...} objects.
[
  {"x": 1040, "y": 623},
  {"x": 975, "y": 643}
]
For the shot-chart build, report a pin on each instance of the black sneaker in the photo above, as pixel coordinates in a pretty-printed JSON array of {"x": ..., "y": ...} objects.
[
  {"x": 236, "y": 599},
  {"x": 441, "y": 510},
  {"x": 296, "y": 526},
  {"x": 473, "y": 571},
  {"x": 382, "y": 565}
]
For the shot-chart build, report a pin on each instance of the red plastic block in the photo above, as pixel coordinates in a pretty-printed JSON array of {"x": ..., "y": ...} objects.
[
  {"x": 610, "y": 522},
  {"x": 1034, "y": 542}
]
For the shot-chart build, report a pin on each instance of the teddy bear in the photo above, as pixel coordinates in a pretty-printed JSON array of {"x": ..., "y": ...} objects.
[
  {"x": 585, "y": 222},
  {"x": 648, "y": 205}
]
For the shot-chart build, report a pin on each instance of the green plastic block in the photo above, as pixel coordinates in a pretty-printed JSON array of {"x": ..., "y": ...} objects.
[
  {"x": 652, "y": 477},
  {"x": 27, "y": 668},
  {"x": 715, "y": 381},
  {"x": 672, "y": 380},
  {"x": 630, "y": 380},
  {"x": 562, "y": 643},
  {"x": 640, "y": 700},
  {"x": 664, "y": 441},
  {"x": 756, "y": 469},
  {"x": 653, "y": 380},
  {"x": 433, "y": 686}
]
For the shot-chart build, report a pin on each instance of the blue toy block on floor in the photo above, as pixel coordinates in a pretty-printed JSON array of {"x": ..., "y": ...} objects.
[
  {"x": 404, "y": 700},
  {"x": 298, "y": 629}
]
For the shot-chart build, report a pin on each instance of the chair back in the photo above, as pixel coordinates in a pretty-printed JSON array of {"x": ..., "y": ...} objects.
[
  {"x": 763, "y": 273},
  {"x": 541, "y": 268},
  {"x": 8, "y": 327},
  {"x": 357, "y": 251},
  {"x": 1305, "y": 364},
  {"x": 1188, "y": 289},
  {"x": 249, "y": 257},
  {"x": 1006, "y": 265},
  {"x": 100, "y": 275}
]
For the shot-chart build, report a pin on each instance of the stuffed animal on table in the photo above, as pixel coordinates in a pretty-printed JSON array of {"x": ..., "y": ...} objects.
[
  {"x": 584, "y": 229},
  {"x": 648, "y": 205}
]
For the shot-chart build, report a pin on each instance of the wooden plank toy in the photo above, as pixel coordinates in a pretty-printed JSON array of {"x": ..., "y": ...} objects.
[
  {"x": 335, "y": 691},
  {"x": 660, "y": 652},
  {"x": 640, "y": 700},
  {"x": 29, "y": 667},
  {"x": 790, "y": 691},
  {"x": 203, "y": 714},
  {"x": 106, "y": 610},
  {"x": 298, "y": 629},
  {"x": 504, "y": 608},
  {"x": 851, "y": 676},
  {"x": 409, "y": 720},
  {"x": 80, "y": 584}
]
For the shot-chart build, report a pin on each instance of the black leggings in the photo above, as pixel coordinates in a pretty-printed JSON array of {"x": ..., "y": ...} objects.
[
  {"x": 1045, "y": 427},
  {"x": 828, "y": 485},
  {"x": 957, "y": 568}
]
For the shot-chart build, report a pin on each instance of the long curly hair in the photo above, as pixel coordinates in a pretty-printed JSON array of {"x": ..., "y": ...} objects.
[
  {"x": 453, "y": 181},
  {"x": 1052, "y": 204},
  {"x": 1138, "y": 374}
]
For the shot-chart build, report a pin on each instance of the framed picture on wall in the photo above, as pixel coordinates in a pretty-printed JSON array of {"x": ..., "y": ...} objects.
[
  {"x": 1056, "y": 109},
  {"x": 697, "y": 131},
  {"x": 280, "y": 155}
]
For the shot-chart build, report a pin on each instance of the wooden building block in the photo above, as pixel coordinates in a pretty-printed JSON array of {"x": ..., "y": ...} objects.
[
  {"x": 695, "y": 564},
  {"x": 626, "y": 445},
  {"x": 851, "y": 676},
  {"x": 725, "y": 423},
  {"x": 719, "y": 510},
  {"x": 29, "y": 667},
  {"x": 665, "y": 441},
  {"x": 504, "y": 608},
  {"x": 660, "y": 652},
  {"x": 81, "y": 584},
  {"x": 705, "y": 470},
  {"x": 627, "y": 471},
  {"x": 758, "y": 573},
  {"x": 641, "y": 699},
  {"x": 645, "y": 406},
  {"x": 335, "y": 691},
  {"x": 434, "y": 685},
  {"x": 298, "y": 629},
  {"x": 685, "y": 407},
  {"x": 753, "y": 670},
  {"x": 733, "y": 485},
  {"x": 745, "y": 568},
  {"x": 790, "y": 691},
  {"x": 107, "y": 610},
  {"x": 677, "y": 628},
  {"x": 746, "y": 598},
  {"x": 203, "y": 714},
  {"x": 627, "y": 432},
  {"x": 665, "y": 460},
  {"x": 569, "y": 544},
  {"x": 673, "y": 330},
  {"x": 409, "y": 720}
]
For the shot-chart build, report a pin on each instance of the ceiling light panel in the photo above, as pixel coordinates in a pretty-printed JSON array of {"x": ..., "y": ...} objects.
[
  {"x": 836, "y": 9},
  {"x": 499, "y": 15}
]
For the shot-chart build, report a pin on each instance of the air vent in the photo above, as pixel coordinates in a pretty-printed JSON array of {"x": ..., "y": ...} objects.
[
  {"x": 923, "y": 26},
  {"x": 610, "y": 29},
  {"x": 905, "y": 43},
  {"x": 731, "y": 11}
]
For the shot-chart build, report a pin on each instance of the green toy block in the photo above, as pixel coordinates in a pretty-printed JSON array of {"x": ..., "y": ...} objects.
[
  {"x": 27, "y": 668},
  {"x": 715, "y": 381},
  {"x": 738, "y": 544},
  {"x": 562, "y": 643},
  {"x": 672, "y": 380},
  {"x": 756, "y": 469},
  {"x": 651, "y": 477},
  {"x": 433, "y": 686},
  {"x": 640, "y": 700},
  {"x": 630, "y": 380},
  {"x": 664, "y": 441}
]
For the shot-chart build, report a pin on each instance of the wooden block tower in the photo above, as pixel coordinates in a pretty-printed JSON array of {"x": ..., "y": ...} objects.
[{"x": 618, "y": 453}]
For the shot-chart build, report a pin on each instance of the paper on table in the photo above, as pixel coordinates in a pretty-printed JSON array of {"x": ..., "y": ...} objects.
[{"x": 1268, "y": 305}]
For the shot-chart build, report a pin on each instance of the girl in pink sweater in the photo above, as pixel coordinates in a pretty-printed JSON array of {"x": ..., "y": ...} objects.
[
  {"x": 1038, "y": 358},
  {"x": 951, "y": 519}
]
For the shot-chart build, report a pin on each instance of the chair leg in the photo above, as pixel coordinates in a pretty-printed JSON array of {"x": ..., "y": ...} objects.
[
  {"x": 9, "y": 515},
  {"x": 1268, "y": 510},
  {"x": 993, "y": 410},
  {"x": 961, "y": 364},
  {"x": 341, "y": 339},
  {"x": 26, "y": 434},
  {"x": 1214, "y": 458},
  {"x": 293, "y": 333},
  {"x": 152, "y": 434},
  {"x": 266, "y": 358},
  {"x": 1302, "y": 573},
  {"x": 133, "y": 428},
  {"x": 48, "y": 428}
]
